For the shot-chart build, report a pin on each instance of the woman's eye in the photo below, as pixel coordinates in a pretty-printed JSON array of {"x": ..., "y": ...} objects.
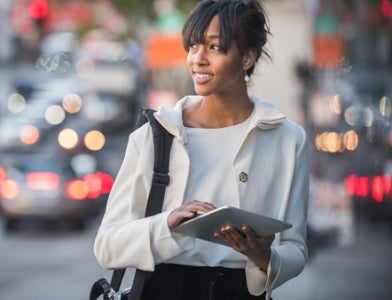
[{"x": 215, "y": 47}]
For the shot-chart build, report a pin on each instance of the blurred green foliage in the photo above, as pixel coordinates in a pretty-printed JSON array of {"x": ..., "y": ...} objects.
[{"x": 145, "y": 8}]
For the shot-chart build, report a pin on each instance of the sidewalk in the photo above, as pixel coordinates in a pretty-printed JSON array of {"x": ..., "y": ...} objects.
[{"x": 360, "y": 271}]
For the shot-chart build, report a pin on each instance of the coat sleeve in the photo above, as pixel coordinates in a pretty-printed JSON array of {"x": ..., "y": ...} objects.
[
  {"x": 289, "y": 251},
  {"x": 125, "y": 237}
]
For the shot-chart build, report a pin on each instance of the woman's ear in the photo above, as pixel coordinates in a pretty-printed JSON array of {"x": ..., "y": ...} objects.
[{"x": 249, "y": 59}]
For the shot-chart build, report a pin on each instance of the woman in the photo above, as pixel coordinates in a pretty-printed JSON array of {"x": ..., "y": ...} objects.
[{"x": 229, "y": 148}]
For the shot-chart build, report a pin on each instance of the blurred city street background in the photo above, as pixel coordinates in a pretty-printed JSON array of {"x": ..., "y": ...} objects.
[{"x": 73, "y": 75}]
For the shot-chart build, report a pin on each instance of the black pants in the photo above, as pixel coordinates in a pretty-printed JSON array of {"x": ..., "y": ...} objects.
[{"x": 176, "y": 282}]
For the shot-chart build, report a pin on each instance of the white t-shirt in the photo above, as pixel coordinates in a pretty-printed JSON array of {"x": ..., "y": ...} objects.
[{"x": 212, "y": 152}]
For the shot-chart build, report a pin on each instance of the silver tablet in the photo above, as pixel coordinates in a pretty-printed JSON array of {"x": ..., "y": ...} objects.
[{"x": 204, "y": 225}]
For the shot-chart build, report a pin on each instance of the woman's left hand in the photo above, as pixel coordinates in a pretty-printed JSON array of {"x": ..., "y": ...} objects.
[{"x": 257, "y": 249}]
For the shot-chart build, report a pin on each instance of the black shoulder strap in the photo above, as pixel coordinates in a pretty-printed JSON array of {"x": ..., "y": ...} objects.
[
  {"x": 160, "y": 180},
  {"x": 162, "y": 146}
]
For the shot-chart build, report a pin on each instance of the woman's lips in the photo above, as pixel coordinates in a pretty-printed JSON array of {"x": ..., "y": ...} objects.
[{"x": 201, "y": 78}]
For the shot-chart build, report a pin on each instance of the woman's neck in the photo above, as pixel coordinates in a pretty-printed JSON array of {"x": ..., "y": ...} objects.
[{"x": 212, "y": 112}]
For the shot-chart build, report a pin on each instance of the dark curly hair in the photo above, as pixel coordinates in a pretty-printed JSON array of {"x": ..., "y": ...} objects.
[{"x": 244, "y": 21}]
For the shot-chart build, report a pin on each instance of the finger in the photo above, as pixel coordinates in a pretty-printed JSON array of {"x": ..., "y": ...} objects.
[
  {"x": 235, "y": 238},
  {"x": 176, "y": 217},
  {"x": 223, "y": 235},
  {"x": 251, "y": 238},
  {"x": 198, "y": 206}
]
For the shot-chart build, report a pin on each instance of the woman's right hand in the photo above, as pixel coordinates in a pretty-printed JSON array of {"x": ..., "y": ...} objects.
[{"x": 187, "y": 211}]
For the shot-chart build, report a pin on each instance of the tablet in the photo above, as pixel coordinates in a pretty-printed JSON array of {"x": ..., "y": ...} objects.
[{"x": 204, "y": 225}]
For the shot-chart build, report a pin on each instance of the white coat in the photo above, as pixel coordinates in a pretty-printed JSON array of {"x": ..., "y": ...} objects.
[{"x": 274, "y": 156}]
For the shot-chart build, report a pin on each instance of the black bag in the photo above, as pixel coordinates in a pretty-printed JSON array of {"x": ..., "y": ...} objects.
[{"x": 162, "y": 145}]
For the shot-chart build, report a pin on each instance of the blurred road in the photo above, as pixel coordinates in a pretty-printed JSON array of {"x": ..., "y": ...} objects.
[
  {"x": 60, "y": 265},
  {"x": 37, "y": 264},
  {"x": 360, "y": 271}
]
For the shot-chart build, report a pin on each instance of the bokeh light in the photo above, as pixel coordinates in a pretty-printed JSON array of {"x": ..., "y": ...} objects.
[
  {"x": 336, "y": 104},
  {"x": 334, "y": 142},
  {"x": 9, "y": 189},
  {"x": 54, "y": 114},
  {"x": 29, "y": 134},
  {"x": 385, "y": 107},
  {"x": 350, "y": 140},
  {"x": 16, "y": 103},
  {"x": 68, "y": 138},
  {"x": 3, "y": 174},
  {"x": 72, "y": 103},
  {"x": 94, "y": 140},
  {"x": 351, "y": 115},
  {"x": 368, "y": 117},
  {"x": 77, "y": 189}
]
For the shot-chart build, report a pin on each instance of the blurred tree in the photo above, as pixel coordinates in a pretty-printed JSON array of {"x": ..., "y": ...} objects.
[{"x": 137, "y": 8}]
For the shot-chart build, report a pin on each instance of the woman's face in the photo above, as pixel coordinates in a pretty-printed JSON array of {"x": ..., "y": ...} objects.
[{"x": 212, "y": 70}]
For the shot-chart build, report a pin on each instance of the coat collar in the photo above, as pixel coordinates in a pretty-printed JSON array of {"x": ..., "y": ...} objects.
[{"x": 265, "y": 116}]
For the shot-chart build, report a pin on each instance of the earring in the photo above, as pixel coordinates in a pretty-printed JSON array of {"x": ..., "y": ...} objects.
[{"x": 246, "y": 78}]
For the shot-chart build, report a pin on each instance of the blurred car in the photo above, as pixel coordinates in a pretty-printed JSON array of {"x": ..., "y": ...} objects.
[
  {"x": 330, "y": 214},
  {"x": 109, "y": 73},
  {"x": 51, "y": 187},
  {"x": 372, "y": 195}
]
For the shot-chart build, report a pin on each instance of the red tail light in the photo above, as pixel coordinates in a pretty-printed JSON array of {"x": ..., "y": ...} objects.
[
  {"x": 91, "y": 186},
  {"x": 43, "y": 181},
  {"x": 362, "y": 188},
  {"x": 358, "y": 186},
  {"x": 387, "y": 183},
  {"x": 377, "y": 187},
  {"x": 94, "y": 185},
  {"x": 77, "y": 189},
  {"x": 106, "y": 181},
  {"x": 351, "y": 184},
  {"x": 381, "y": 185},
  {"x": 3, "y": 174},
  {"x": 9, "y": 189}
]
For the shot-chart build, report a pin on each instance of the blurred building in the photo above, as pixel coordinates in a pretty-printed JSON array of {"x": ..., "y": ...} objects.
[
  {"x": 347, "y": 102},
  {"x": 331, "y": 72}
]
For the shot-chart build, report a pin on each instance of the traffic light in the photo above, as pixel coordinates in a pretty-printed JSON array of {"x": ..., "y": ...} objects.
[
  {"x": 386, "y": 8},
  {"x": 38, "y": 9}
]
